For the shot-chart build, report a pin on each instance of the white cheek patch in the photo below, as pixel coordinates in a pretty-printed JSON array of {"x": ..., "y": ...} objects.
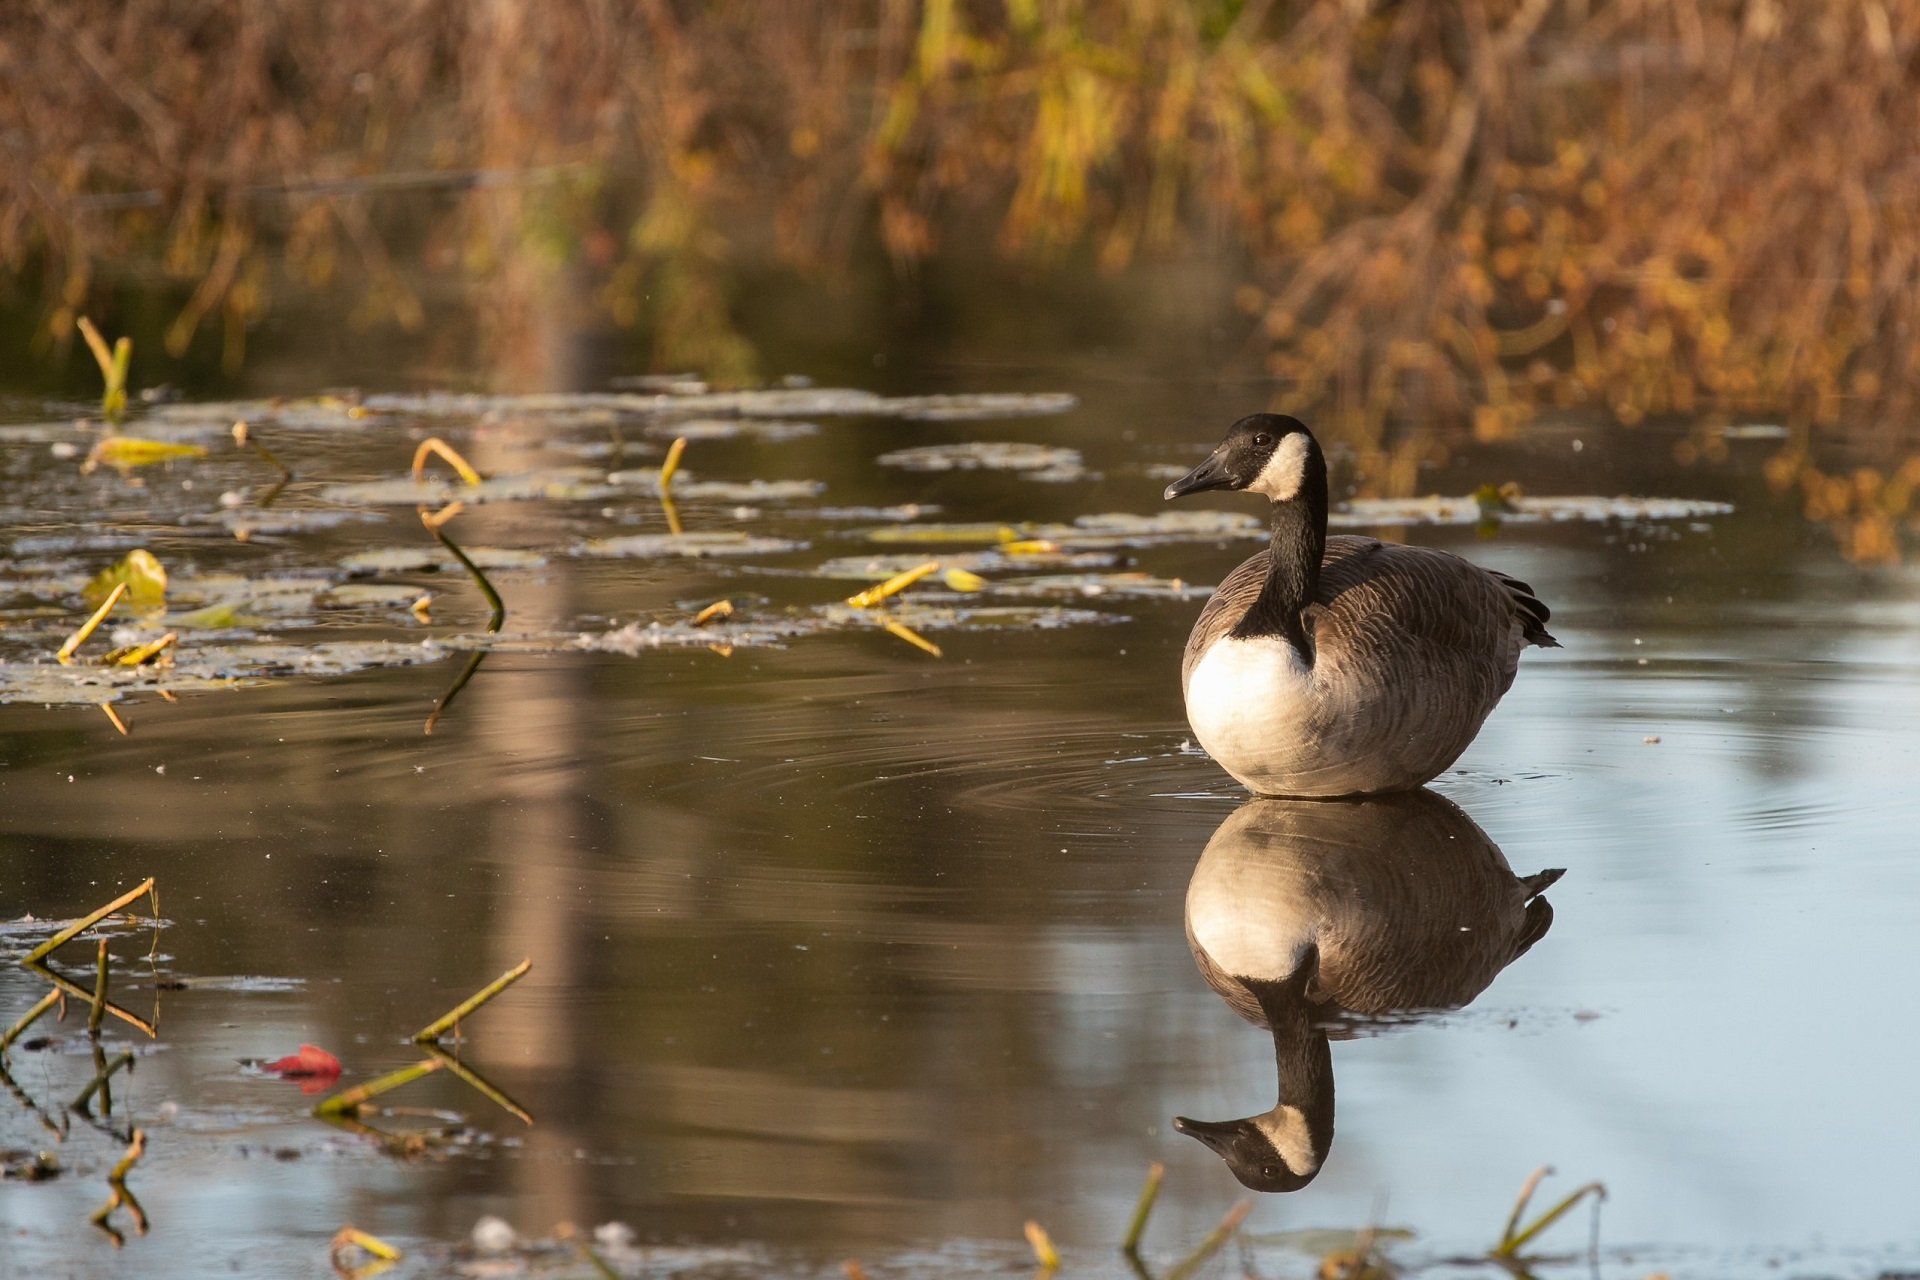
[
  {"x": 1287, "y": 1129},
  {"x": 1281, "y": 478}
]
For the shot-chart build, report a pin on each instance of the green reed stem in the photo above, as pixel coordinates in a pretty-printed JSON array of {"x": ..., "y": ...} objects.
[{"x": 434, "y": 1030}]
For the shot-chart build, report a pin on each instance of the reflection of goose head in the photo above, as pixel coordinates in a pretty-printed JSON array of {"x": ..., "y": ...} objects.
[{"x": 1302, "y": 910}]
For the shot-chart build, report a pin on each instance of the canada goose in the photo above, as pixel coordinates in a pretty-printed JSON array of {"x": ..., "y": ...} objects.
[
  {"x": 1300, "y": 911},
  {"x": 1341, "y": 666}
]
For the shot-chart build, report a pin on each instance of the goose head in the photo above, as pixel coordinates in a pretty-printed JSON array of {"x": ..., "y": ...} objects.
[
  {"x": 1265, "y": 453},
  {"x": 1278, "y": 1150}
]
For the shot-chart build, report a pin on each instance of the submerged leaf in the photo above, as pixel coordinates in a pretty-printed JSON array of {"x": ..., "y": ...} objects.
[{"x": 143, "y": 574}]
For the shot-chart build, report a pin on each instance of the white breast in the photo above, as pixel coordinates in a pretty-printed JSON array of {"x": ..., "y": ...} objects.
[{"x": 1249, "y": 701}]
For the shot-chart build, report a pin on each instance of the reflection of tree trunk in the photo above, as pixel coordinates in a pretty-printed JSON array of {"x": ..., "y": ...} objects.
[{"x": 528, "y": 717}]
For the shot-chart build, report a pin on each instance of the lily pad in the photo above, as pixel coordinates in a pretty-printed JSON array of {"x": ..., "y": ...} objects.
[
  {"x": 965, "y": 408},
  {"x": 768, "y": 430},
  {"x": 940, "y": 617},
  {"x": 903, "y": 512},
  {"x": 874, "y": 567},
  {"x": 637, "y": 637},
  {"x": 723, "y": 543},
  {"x": 648, "y": 482},
  {"x": 984, "y": 455},
  {"x": 1112, "y": 530},
  {"x": 1108, "y": 585},
  {"x": 1434, "y": 510},
  {"x": 559, "y": 484},
  {"x": 248, "y": 520},
  {"x": 432, "y": 558}
]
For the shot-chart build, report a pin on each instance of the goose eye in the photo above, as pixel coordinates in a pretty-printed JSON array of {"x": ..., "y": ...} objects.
[{"x": 1263, "y": 439}]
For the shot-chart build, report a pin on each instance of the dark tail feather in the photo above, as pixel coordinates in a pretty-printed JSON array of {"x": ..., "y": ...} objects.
[
  {"x": 1531, "y": 611},
  {"x": 1541, "y": 881}
]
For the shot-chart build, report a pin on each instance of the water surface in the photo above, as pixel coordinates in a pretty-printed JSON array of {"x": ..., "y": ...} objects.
[{"x": 845, "y": 951}]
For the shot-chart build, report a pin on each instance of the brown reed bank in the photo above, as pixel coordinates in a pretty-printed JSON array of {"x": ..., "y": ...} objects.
[{"x": 1455, "y": 212}]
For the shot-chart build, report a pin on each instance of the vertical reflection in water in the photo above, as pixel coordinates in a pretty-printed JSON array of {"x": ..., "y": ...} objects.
[
  {"x": 1305, "y": 911},
  {"x": 529, "y": 719}
]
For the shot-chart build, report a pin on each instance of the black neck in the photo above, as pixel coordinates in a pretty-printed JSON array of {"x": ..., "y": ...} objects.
[
  {"x": 1293, "y": 574},
  {"x": 1303, "y": 1061}
]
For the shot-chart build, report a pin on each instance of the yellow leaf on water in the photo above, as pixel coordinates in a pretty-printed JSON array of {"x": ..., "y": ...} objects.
[
  {"x": 126, "y": 452},
  {"x": 961, "y": 580},
  {"x": 144, "y": 576}
]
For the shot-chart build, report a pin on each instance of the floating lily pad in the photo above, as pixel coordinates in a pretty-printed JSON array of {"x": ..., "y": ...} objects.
[
  {"x": 1109, "y": 585},
  {"x": 902, "y": 513},
  {"x": 940, "y": 617},
  {"x": 722, "y": 543},
  {"x": 225, "y": 616},
  {"x": 248, "y": 520},
  {"x": 875, "y": 567},
  {"x": 636, "y": 637},
  {"x": 964, "y": 408},
  {"x": 768, "y": 430},
  {"x": 558, "y": 484},
  {"x": 1366, "y": 512},
  {"x": 394, "y": 596},
  {"x": 720, "y": 490},
  {"x": 1111, "y": 530},
  {"x": 432, "y": 558},
  {"x": 985, "y": 455}
]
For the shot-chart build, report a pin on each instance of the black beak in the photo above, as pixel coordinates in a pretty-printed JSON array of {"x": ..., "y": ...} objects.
[
  {"x": 1211, "y": 474},
  {"x": 1217, "y": 1135}
]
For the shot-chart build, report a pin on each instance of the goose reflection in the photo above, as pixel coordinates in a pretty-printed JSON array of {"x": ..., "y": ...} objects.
[{"x": 1302, "y": 912}]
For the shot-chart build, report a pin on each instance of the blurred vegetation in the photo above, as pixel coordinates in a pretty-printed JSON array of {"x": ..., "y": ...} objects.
[{"x": 1456, "y": 214}]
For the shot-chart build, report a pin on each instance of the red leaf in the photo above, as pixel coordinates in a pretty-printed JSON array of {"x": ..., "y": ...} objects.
[{"x": 311, "y": 1063}]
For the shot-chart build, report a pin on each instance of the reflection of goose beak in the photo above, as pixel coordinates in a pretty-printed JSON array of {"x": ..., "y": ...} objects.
[
  {"x": 1218, "y": 1135},
  {"x": 1250, "y": 1154}
]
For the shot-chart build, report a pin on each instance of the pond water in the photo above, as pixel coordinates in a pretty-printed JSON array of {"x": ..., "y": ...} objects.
[{"x": 844, "y": 950}]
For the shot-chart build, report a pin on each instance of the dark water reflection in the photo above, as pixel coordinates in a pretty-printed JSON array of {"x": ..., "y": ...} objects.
[{"x": 1302, "y": 913}]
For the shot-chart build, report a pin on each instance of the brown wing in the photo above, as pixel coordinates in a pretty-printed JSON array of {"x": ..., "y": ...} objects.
[{"x": 1379, "y": 598}]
